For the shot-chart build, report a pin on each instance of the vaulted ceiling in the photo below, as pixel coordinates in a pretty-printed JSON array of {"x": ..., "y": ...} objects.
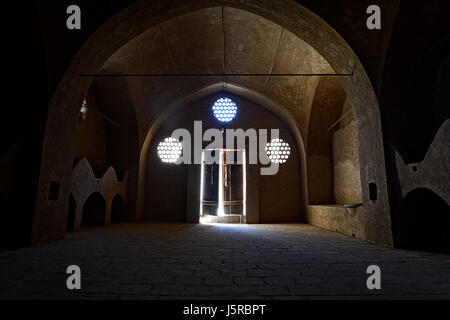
[{"x": 211, "y": 41}]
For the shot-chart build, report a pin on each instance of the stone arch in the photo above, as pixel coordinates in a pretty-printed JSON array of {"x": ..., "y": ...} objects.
[
  {"x": 137, "y": 18},
  {"x": 84, "y": 183},
  {"x": 254, "y": 96},
  {"x": 424, "y": 222},
  {"x": 94, "y": 210}
]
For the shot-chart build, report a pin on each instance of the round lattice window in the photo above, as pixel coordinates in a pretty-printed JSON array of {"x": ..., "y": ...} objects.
[
  {"x": 169, "y": 150},
  {"x": 278, "y": 151},
  {"x": 224, "y": 109}
]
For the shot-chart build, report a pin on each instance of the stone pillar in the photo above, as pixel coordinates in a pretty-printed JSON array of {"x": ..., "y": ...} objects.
[
  {"x": 131, "y": 196},
  {"x": 108, "y": 211},
  {"x": 252, "y": 194},
  {"x": 193, "y": 194}
]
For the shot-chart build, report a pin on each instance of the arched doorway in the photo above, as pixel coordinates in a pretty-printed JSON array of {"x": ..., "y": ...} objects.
[
  {"x": 272, "y": 198},
  {"x": 424, "y": 222},
  {"x": 71, "y": 214},
  {"x": 117, "y": 209},
  {"x": 264, "y": 102},
  {"x": 289, "y": 15},
  {"x": 94, "y": 211}
]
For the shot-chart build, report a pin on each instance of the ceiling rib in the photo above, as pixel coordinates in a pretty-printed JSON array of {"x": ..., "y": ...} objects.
[{"x": 275, "y": 58}]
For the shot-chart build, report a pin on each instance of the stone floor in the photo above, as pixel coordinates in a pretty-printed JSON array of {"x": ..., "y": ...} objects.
[{"x": 181, "y": 261}]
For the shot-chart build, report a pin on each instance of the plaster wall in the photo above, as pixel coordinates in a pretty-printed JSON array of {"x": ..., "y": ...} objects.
[{"x": 346, "y": 177}]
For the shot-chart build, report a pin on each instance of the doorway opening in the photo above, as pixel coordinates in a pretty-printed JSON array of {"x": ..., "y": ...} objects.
[
  {"x": 223, "y": 186},
  {"x": 94, "y": 211}
]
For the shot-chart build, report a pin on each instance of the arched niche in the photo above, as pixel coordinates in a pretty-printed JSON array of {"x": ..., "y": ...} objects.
[
  {"x": 424, "y": 222},
  {"x": 165, "y": 187},
  {"x": 94, "y": 211},
  {"x": 126, "y": 25},
  {"x": 263, "y": 101}
]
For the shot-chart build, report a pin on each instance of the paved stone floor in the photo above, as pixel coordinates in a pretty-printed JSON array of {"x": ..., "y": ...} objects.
[{"x": 181, "y": 261}]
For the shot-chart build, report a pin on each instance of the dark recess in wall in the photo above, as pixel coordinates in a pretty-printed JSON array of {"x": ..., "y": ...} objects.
[
  {"x": 373, "y": 192},
  {"x": 94, "y": 211},
  {"x": 424, "y": 221}
]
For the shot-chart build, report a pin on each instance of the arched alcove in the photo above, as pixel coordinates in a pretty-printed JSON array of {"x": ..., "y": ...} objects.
[
  {"x": 326, "y": 110},
  {"x": 71, "y": 214},
  {"x": 280, "y": 197},
  {"x": 283, "y": 15},
  {"x": 117, "y": 209},
  {"x": 424, "y": 222},
  {"x": 94, "y": 211}
]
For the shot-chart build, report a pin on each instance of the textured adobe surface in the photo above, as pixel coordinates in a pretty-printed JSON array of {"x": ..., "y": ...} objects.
[{"x": 347, "y": 179}]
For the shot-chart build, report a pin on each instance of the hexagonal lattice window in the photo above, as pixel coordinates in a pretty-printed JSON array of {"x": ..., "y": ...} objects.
[
  {"x": 278, "y": 151},
  {"x": 169, "y": 150},
  {"x": 224, "y": 109}
]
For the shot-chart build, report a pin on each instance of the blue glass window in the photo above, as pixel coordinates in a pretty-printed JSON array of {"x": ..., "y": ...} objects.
[{"x": 224, "y": 109}]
